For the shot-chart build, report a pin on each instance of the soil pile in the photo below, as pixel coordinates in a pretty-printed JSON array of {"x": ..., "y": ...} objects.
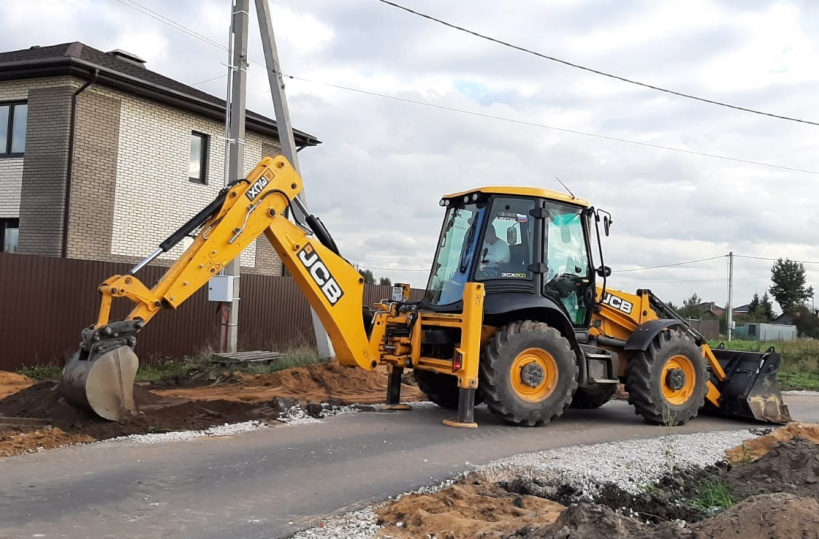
[
  {"x": 774, "y": 496},
  {"x": 759, "y": 517},
  {"x": 157, "y": 413},
  {"x": 753, "y": 449},
  {"x": 764, "y": 516},
  {"x": 314, "y": 383},
  {"x": 791, "y": 466},
  {"x": 11, "y": 383},
  {"x": 472, "y": 507}
]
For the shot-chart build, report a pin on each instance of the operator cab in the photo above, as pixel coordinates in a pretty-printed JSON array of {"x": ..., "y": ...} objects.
[{"x": 519, "y": 241}]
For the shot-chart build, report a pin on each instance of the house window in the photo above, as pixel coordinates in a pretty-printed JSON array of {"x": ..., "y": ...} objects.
[
  {"x": 9, "y": 235},
  {"x": 13, "y": 120},
  {"x": 198, "y": 170}
]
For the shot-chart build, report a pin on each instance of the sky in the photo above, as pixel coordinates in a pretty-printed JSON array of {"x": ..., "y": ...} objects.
[{"x": 384, "y": 162}]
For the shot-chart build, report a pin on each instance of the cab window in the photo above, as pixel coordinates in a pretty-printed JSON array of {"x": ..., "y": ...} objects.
[{"x": 506, "y": 249}]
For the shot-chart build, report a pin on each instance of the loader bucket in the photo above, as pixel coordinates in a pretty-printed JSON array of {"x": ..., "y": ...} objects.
[
  {"x": 102, "y": 382},
  {"x": 750, "y": 388}
]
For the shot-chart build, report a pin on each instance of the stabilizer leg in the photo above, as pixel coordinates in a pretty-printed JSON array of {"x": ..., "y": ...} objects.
[
  {"x": 466, "y": 410},
  {"x": 394, "y": 390}
]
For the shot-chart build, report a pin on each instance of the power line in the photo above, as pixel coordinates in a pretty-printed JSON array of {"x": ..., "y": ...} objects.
[
  {"x": 161, "y": 18},
  {"x": 209, "y": 80},
  {"x": 776, "y": 259},
  {"x": 671, "y": 265},
  {"x": 551, "y": 127},
  {"x": 390, "y": 269},
  {"x": 591, "y": 70},
  {"x": 170, "y": 22}
]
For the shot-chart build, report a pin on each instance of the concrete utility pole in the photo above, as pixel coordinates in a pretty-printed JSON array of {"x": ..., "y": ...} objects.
[
  {"x": 730, "y": 295},
  {"x": 237, "y": 98},
  {"x": 236, "y": 154},
  {"x": 288, "y": 142}
]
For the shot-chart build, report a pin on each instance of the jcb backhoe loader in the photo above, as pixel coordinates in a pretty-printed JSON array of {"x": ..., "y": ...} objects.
[{"x": 515, "y": 314}]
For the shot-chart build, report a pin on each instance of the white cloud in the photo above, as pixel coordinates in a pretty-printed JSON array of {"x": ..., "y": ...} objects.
[{"x": 384, "y": 164}]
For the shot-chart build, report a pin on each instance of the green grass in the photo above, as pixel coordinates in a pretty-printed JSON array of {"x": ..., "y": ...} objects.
[
  {"x": 42, "y": 372},
  {"x": 800, "y": 360},
  {"x": 196, "y": 368},
  {"x": 713, "y": 495}
]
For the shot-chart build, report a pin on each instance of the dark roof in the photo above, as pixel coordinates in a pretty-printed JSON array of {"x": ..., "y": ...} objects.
[{"x": 80, "y": 60}]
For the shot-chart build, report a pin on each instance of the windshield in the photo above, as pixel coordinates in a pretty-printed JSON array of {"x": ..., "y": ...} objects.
[
  {"x": 568, "y": 275},
  {"x": 453, "y": 259}
]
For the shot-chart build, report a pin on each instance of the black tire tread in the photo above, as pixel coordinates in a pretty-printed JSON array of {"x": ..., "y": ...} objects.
[
  {"x": 644, "y": 389},
  {"x": 494, "y": 361}
]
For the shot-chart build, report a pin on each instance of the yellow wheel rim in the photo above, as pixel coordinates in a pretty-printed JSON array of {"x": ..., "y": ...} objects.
[
  {"x": 678, "y": 380},
  {"x": 534, "y": 375}
]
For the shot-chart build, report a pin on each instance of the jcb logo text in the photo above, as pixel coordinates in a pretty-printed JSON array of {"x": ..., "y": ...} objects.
[
  {"x": 256, "y": 189},
  {"x": 618, "y": 303},
  {"x": 320, "y": 274}
]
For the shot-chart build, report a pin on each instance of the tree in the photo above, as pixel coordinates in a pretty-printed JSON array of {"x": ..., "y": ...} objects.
[
  {"x": 788, "y": 287},
  {"x": 760, "y": 309},
  {"x": 806, "y": 322},
  {"x": 385, "y": 281},
  {"x": 767, "y": 307},
  {"x": 691, "y": 307},
  {"x": 369, "y": 278}
]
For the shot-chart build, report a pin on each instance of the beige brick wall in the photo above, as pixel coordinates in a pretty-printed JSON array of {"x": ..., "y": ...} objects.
[
  {"x": 93, "y": 185},
  {"x": 11, "y": 169},
  {"x": 11, "y": 180},
  {"x": 153, "y": 193}
]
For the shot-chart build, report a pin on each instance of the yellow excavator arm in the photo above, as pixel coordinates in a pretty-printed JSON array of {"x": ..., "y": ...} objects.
[{"x": 101, "y": 374}]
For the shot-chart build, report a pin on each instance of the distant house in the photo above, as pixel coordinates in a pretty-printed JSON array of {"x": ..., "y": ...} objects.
[
  {"x": 711, "y": 308},
  {"x": 102, "y": 158},
  {"x": 766, "y": 332},
  {"x": 742, "y": 309},
  {"x": 784, "y": 319}
]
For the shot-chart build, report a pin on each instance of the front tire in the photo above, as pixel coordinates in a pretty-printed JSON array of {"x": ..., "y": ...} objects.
[
  {"x": 666, "y": 384},
  {"x": 528, "y": 373}
]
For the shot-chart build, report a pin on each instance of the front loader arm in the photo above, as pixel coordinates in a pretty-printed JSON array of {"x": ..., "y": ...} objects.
[{"x": 251, "y": 208}]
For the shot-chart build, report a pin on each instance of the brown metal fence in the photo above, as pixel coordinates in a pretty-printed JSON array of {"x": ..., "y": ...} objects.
[{"x": 45, "y": 302}]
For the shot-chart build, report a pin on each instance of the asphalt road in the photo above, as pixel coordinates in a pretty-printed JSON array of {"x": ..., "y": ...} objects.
[{"x": 272, "y": 482}]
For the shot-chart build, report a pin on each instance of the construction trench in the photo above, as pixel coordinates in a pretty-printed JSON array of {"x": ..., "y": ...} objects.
[{"x": 773, "y": 480}]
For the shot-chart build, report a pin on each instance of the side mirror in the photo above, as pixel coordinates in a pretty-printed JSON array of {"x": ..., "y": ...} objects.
[
  {"x": 607, "y": 224},
  {"x": 512, "y": 236},
  {"x": 604, "y": 271}
]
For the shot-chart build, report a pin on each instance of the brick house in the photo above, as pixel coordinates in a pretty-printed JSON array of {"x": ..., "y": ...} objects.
[{"x": 101, "y": 158}]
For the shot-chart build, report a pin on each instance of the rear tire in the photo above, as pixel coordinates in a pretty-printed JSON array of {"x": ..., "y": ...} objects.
[
  {"x": 666, "y": 384},
  {"x": 442, "y": 389},
  {"x": 593, "y": 396},
  {"x": 528, "y": 373}
]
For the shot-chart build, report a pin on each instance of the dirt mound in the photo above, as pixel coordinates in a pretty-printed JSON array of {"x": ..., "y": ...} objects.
[
  {"x": 753, "y": 449},
  {"x": 11, "y": 382},
  {"x": 759, "y": 517},
  {"x": 313, "y": 383},
  {"x": 17, "y": 440},
  {"x": 791, "y": 466},
  {"x": 157, "y": 414},
  {"x": 472, "y": 507},
  {"x": 764, "y": 516}
]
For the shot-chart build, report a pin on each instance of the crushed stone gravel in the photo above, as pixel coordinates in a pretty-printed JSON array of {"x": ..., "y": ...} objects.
[
  {"x": 630, "y": 464},
  {"x": 228, "y": 429}
]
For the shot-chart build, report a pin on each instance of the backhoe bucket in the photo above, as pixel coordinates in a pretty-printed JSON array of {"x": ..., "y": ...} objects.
[
  {"x": 750, "y": 388},
  {"x": 102, "y": 382}
]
